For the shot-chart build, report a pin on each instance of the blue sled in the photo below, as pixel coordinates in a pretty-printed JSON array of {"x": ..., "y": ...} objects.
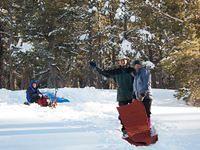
[{"x": 59, "y": 99}]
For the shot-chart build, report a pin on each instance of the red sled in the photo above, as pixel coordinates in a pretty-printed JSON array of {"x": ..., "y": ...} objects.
[
  {"x": 135, "y": 121},
  {"x": 43, "y": 102}
]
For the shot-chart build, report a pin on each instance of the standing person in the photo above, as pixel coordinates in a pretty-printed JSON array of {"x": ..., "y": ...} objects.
[
  {"x": 142, "y": 87},
  {"x": 123, "y": 76},
  {"x": 33, "y": 95}
]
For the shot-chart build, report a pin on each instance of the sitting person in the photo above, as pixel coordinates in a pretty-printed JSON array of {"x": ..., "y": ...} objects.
[{"x": 33, "y": 95}]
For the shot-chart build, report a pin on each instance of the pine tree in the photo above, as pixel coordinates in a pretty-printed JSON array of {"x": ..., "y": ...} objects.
[
  {"x": 184, "y": 62},
  {"x": 64, "y": 35}
]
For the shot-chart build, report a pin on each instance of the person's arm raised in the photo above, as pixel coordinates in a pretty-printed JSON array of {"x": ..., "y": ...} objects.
[{"x": 109, "y": 73}]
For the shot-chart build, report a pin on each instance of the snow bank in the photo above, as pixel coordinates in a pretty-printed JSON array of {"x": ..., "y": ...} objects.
[{"x": 90, "y": 122}]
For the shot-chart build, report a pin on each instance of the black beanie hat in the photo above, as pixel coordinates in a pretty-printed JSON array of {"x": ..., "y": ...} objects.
[{"x": 137, "y": 62}]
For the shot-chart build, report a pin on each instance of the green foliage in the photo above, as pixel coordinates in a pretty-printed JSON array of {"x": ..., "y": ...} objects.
[
  {"x": 184, "y": 63},
  {"x": 185, "y": 66},
  {"x": 66, "y": 34}
]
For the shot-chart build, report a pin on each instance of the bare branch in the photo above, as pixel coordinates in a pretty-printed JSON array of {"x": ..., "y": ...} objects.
[
  {"x": 1, "y": 32},
  {"x": 163, "y": 13}
]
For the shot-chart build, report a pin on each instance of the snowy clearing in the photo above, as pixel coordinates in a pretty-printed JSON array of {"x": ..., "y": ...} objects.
[{"x": 90, "y": 122}]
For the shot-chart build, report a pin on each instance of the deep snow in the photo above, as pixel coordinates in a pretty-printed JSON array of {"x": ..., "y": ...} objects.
[{"x": 90, "y": 122}]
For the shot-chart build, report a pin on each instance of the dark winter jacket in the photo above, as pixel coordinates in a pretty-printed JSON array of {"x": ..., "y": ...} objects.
[
  {"x": 32, "y": 94},
  {"x": 142, "y": 82},
  {"x": 122, "y": 76}
]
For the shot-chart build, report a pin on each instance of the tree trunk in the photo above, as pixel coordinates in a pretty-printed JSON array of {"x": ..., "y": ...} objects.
[
  {"x": 11, "y": 69},
  {"x": 1, "y": 57}
]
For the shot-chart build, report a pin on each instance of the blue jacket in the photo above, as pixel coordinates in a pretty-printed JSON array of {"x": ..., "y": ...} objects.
[
  {"x": 32, "y": 94},
  {"x": 142, "y": 82}
]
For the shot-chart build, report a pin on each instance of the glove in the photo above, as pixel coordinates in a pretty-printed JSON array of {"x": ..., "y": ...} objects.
[
  {"x": 93, "y": 64},
  {"x": 40, "y": 95},
  {"x": 142, "y": 94}
]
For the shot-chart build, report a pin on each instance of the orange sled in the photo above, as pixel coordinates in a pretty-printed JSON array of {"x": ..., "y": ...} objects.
[{"x": 135, "y": 121}]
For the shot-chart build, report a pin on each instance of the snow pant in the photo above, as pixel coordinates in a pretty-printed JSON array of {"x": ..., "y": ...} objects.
[
  {"x": 34, "y": 99},
  {"x": 122, "y": 103},
  {"x": 43, "y": 102},
  {"x": 147, "y": 101}
]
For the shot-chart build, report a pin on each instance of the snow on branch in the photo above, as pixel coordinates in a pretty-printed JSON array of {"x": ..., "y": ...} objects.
[
  {"x": 149, "y": 64},
  {"x": 84, "y": 37},
  {"x": 145, "y": 35},
  {"x": 122, "y": 11},
  {"x": 126, "y": 48},
  {"x": 93, "y": 9}
]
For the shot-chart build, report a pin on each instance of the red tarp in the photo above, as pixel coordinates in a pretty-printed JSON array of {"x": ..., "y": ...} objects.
[{"x": 135, "y": 121}]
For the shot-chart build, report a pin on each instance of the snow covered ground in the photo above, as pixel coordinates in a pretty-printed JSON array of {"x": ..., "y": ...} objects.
[{"x": 89, "y": 122}]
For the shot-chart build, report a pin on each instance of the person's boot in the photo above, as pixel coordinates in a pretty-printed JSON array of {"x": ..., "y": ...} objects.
[
  {"x": 52, "y": 104},
  {"x": 153, "y": 131},
  {"x": 149, "y": 122},
  {"x": 124, "y": 134}
]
